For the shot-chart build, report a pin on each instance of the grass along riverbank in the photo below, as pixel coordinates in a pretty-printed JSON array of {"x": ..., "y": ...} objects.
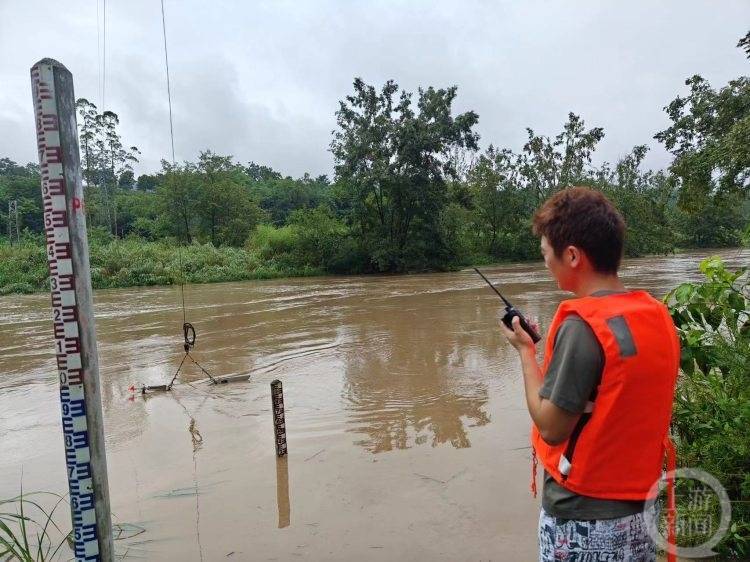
[
  {"x": 134, "y": 262},
  {"x": 131, "y": 262}
]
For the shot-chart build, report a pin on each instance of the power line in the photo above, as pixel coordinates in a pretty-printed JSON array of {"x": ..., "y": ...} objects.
[
  {"x": 104, "y": 73},
  {"x": 169, "y": 88},
  {"x": 99, "y": 54},
  {"x": 171, "y": 137}
]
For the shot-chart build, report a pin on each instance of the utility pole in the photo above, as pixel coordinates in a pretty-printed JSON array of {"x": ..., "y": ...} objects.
[
  {"x": 10, "y": 223},
  {"x": 13, "y": 219},
  {"x": 72, "y": 310},
  {"x": 15, "y": 210}
]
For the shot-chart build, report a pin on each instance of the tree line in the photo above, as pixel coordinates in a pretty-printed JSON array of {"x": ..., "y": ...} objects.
[{"x": 411, "y": 189}]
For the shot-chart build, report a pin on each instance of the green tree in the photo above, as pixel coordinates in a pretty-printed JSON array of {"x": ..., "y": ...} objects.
[
  {"x": 394, "y": 159},
  {"x": 126, "y": 180},
  {"x": 147, "y": 182},
  {"x": 506, "y": 188},
  {"x": 258, "y": 172},
  {"x": 710, "y": 140},
  {"x": 88, "y": 130},
  {"x": 179, "y": 196},
  {"x": 104, "y": 160},
  {"x": 321, "y": 240},
  {"x": 547, "y": 165},
  {"x": 22, "y": 185},
  {"x": 279, "y": 197},
  {"x": 744, "y": 43},
  {"x": 499, "y": 204},
  {"x": 227, "y": 213},
  {"x": 645, "y": 199},
  {"x": 116, "y": 160},
  {"x": 139, "y": 213}
]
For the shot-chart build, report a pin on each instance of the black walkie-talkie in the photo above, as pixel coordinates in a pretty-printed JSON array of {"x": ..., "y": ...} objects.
[{"x": 511, "y": 312}]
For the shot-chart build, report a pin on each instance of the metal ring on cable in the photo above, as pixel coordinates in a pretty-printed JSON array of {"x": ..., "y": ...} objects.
[{"x": 188, "y": 332}]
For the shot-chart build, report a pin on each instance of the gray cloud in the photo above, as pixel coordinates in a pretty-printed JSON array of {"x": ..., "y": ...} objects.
[{"x": 262, "y": 80}]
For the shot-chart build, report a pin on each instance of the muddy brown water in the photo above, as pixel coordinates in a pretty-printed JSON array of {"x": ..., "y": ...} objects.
[{"x": 407, "y": 427}]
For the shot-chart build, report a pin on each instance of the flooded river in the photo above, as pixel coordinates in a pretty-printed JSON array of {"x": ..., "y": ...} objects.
[{"x": 406, "y": 422}]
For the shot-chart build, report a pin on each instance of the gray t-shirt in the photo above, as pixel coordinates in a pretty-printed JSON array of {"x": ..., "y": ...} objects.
[{"x": 571, "y": 380}]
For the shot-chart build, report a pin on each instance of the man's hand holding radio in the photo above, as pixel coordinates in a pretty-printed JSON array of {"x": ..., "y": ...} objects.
[{"x": 518, "y": 337}]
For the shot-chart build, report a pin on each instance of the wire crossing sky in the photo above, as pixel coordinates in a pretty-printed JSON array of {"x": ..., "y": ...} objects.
[{"x": 262, "y": 80}]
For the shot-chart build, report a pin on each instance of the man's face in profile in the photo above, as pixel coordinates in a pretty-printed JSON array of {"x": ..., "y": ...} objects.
[{"x": 561, "y": 268}]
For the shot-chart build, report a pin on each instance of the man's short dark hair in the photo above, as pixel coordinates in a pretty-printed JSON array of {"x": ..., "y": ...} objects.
[{"x": 585, "y": 218}]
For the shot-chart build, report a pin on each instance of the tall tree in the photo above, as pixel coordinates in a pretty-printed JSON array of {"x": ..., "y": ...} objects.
[
  {"x": 744, "y": 43},
  {"x": 644, "y": 198},
  {"x": 547, "y": 165},
  {"x": 710, "y": 140},
  {"x": 395, "y": 158},
  {"x": 179, "y": 196},
  {"x": 126, "y": 180},
  {"x": 104, "y": 159},
  {"x": 498, "y": 203},
  {"x": 258, "y": 172},
  {"x": 148, "y": 182},
  {"x": 88, "y": 130},
  {"x": 226, "y": 211}
]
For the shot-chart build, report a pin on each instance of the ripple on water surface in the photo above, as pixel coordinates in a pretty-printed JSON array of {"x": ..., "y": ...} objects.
[{"x": 403, "y": 405}]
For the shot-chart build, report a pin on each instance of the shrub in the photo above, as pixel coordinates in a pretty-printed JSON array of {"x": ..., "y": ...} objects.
[
  {"x": 23, "y": 267},
  {"x": 321, "y": 240},
  {"x": 268, "y": 241},
  {"x": 712, "y": 404}
]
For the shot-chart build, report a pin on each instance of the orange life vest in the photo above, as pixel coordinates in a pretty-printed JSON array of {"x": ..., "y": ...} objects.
[{"x": 618, "y": 452}]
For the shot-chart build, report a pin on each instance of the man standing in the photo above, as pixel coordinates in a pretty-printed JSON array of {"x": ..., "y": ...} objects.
[{"x": 601, "y": 401}]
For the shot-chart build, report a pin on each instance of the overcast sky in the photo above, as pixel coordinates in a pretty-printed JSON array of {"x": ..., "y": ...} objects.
[{"x": 261, "y": 80}]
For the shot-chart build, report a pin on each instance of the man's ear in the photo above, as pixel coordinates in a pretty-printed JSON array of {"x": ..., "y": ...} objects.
[{"x": 573, "y": 256}]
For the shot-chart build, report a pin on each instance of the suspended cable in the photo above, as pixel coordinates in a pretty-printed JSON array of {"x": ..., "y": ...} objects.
[
  {"x": 104, "y": 63},
  {"x": 99, "y": 55},
  {"x": 174, "y": 163},
  {"x": 188, "y": 331},
  {"x": 169, "y": 88}
]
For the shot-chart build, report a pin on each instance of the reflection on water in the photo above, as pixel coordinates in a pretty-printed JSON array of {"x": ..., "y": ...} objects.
[
  {"x": 409, "y": 372},
  {"x": 412, "y": 367},
  {"x": 282, "y": 491}
]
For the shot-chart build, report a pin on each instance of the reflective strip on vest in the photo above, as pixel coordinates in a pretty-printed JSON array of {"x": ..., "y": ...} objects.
[{"x": 564, "y": 465}]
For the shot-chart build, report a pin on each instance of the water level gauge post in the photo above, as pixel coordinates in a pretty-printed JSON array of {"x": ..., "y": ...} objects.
[
  {"x": 72, "y": 310},
  {"x": 279, "y": 423}
]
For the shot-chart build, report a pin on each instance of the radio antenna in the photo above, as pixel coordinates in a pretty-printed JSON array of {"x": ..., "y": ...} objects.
[{"x": 493, "y": 287}]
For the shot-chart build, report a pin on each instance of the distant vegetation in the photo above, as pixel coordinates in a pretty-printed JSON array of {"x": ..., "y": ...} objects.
[{"x": 411, "y": 192}]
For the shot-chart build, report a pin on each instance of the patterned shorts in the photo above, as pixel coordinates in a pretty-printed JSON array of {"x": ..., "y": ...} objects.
[{"x": 624, "y": 539}]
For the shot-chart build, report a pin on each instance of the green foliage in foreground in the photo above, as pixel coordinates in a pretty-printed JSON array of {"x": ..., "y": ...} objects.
[
  {"x": 712, "y": 406},
  {"x": 27, "y": 528}
]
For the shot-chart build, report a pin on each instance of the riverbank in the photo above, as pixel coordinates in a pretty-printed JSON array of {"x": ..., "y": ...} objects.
[
  {"x": 137, "y": 263},
  {"x": 134, "y": 262}
]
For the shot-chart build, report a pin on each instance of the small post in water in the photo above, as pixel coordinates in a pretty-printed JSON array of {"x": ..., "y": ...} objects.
[
  {"x": 279, "y": 424},
  {"x": 72, "y": 310}
]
